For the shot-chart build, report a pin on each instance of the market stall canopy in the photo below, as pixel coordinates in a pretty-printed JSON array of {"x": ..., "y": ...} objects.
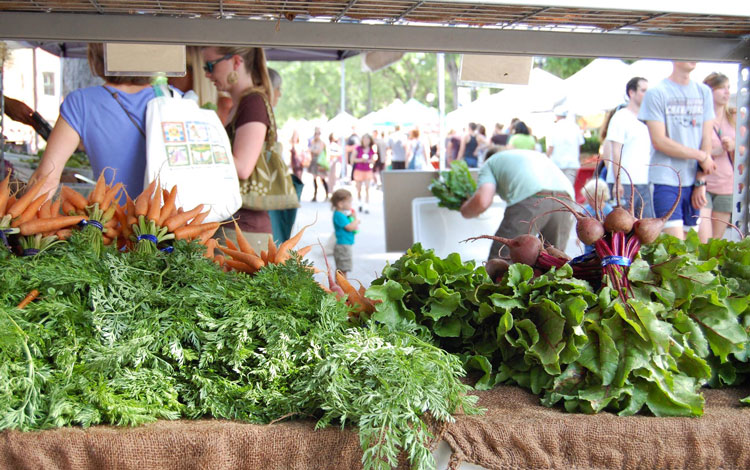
[
  {"x": 597, "y": 87},
  {"x": 341, "y": 124},
  {"x": 78, "y": 50},
  {"x": 409, "y": 114},
  {"x": 542, "y": 93}
]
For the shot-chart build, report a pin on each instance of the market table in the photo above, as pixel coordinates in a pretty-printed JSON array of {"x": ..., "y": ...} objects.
[{"x": 515, "y": 433}]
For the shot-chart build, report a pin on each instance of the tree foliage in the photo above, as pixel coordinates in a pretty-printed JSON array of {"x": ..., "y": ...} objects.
[
  {"x": 313, "y": 89},
  {"x": 564, "y": 67}
]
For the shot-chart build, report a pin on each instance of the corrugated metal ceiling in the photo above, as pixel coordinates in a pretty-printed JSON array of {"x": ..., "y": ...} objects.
[{"x": 410, "y": 12}]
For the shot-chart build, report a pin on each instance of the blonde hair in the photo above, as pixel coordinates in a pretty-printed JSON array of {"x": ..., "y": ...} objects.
[
  {"x": 715, "y": 80},
  {"x": 597, "y": 189},
  {"x": 255, "y": 65}
]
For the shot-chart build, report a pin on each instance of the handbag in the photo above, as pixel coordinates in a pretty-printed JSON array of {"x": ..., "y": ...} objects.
[
  {"x": 187, "y": 147},
  {"x": 323, "y": 160},
  {"x": 270, "y": 185}
]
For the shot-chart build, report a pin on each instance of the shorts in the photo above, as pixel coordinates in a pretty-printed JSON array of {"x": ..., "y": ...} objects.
[
  {"x": 362, "y": 175},
  {"x": 719, "y": 202},
  {"x": 685, "y": 215},
  {"x": 342, "y": 256}
]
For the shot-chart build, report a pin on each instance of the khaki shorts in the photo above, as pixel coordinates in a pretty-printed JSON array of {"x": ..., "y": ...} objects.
[
  {"x": 719, "y": 202},
  {"x": 342, "y": 255}
]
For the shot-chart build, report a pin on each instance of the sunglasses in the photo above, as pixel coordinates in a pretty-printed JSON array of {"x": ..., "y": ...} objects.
[{"x": 209, "y": 65}]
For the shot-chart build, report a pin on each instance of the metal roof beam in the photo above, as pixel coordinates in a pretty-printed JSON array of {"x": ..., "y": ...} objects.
[{"x": 324, "y": 34}]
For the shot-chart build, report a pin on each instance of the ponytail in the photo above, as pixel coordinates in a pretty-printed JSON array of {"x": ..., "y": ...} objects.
[{"x": 255, "y": 65}]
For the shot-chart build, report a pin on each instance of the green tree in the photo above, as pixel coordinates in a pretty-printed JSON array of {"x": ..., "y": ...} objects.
[
  {"x": 312, "y": 89},
  {"x": 564, "y": 67}
]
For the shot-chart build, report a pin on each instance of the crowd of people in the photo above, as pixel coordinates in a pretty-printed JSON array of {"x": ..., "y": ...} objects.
[
  {"x": 674, "y": 142},
  {"x": 673, "y": 139}
]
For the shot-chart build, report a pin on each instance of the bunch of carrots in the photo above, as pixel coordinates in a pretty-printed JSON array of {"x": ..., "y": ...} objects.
[
  {"x": 243, "y": 258},
  {"x": 153, "y": 218},
  {"x": 32, "y": 217},
  {"x": 360, "y": 306}
]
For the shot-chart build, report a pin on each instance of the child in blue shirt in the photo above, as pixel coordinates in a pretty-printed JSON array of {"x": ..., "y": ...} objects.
[
  {"x": 345, "y": 225},
  {"x": 597, "y": 195}
]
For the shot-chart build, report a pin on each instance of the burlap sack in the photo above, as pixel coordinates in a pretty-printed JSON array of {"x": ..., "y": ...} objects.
[{"x": 518, "y": 433}]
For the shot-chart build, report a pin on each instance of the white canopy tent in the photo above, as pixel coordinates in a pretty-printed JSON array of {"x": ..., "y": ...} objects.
[
  {"x": 523, "y": 101},
  {"x": 409, "y": 114},
  {"x": 341, "y": 124},
  {"x": 597, "y": 87}
]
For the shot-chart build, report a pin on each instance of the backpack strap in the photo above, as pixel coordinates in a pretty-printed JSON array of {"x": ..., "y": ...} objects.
[{"x": 130, "y": 115}]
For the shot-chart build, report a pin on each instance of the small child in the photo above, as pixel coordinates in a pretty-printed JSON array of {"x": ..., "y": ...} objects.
[
  {"x": 597, "y": 195},
  {"x": 345, "y": 225}
]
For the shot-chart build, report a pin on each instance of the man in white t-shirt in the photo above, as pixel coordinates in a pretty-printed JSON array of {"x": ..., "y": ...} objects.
[
  {"x": 564, "y": 144},
  {"x": 630, "y": 146}
]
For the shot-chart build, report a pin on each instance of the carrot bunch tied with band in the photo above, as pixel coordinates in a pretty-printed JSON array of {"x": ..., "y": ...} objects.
[
  {"x": 98, "y": 225},
  {"x": 153, "y": 219}
]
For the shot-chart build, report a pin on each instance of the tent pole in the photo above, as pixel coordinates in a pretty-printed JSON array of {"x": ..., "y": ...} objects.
[
  {"x": 344, "y": 156},
  {"x": 2, "y": 115},
  {"x": 441, "y": 108},
  {"x": 741, "y": 192}
]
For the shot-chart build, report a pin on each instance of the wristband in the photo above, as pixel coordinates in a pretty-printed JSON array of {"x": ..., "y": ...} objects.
[{"x": 699, "y": 183}]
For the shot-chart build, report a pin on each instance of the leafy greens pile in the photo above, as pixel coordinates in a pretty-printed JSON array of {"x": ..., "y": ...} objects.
[
  {"x": 454, "y": 186},
  {"x": 686, "y": 326},
  {"x": 127, "y": 339}
]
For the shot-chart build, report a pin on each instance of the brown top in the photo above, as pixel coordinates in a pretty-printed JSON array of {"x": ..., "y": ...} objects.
[{"x": 251, "y": 109}]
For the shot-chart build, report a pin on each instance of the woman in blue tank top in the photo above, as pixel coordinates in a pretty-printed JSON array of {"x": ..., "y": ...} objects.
[{"x": 108, "y": 122}]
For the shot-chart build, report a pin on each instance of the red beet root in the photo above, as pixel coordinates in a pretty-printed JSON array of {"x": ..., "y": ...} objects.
[
  {"x": 619, "y": 220},
  {"x": 523, "y": 249}
]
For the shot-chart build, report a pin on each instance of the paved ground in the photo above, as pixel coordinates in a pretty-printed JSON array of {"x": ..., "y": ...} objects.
[{"x": 369, "y": 244}]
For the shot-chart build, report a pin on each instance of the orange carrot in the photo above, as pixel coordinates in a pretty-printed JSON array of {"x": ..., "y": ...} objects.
[
  {"x": 74, "y": 197},
  {"x": 30, "y": 211},
  {"x": 28, "y": 299},
  {"x": 48, "y": 225},
  {"x": 239, "y": 266},
  {"x": 45, "y": 211},
  {"x": 242, "y": 242},
  {"x": 251, "y": 260},
  {"x": 4, "y": 194},
  {"x": 97, "y": 195},
  {"x": 231, "y": 244},
  {"x": 166, "y": 210},
  {"x": 64, "y": 233},
  {"x": 351, "y": 292},
  {"x": 304, "y": 250},
  {"x": 192, "y": 231},
  {"x": 154, "y": 207},
  {"x": 141, "y": 202},
  {"x": 292, "y": 242},
  {"x": 179, "y": 220},
  {"x": 198, "y": 219},
  {"x": 210, "y": 247},
  {"x": 23, "y": 202},
  {"x": 219, "y": 259},
  {"x": 205, "y": 236},
  {"x": 264, "y": 256},
  {"x": 109, "y": 196},
  {"x": 271, "y": 248},
  {"x": 54, "y": 208},
  {"x": 68, "y": 208},
  {"x": 129, "y": 205}
]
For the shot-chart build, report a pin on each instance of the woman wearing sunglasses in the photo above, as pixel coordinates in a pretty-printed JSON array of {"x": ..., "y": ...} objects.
[{"x": 241, "y": 72}]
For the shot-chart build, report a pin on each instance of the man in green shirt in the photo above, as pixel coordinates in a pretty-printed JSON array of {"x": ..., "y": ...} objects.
[{"x": 523, "y": 179}]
